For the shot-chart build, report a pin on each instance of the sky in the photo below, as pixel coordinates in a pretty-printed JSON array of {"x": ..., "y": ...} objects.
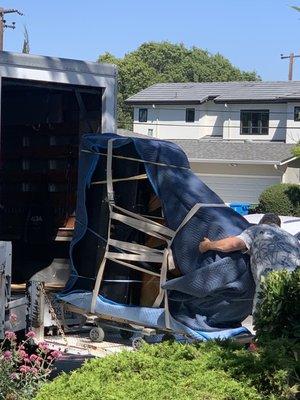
[{"x": 250, "y": 33}]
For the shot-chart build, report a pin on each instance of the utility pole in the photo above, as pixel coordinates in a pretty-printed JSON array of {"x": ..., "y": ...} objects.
[
  {"x": 292, "y": 57},
  {"x": 3, "y": 23}
]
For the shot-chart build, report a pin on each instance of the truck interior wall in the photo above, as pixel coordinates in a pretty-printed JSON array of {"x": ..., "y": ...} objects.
[{"x": 41, "y": 124}]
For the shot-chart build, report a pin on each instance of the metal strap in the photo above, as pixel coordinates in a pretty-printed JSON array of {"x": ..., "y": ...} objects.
[
  {"x": 133, "y": 247},
  {"x": 142, "y": 226},
  {"x": 156, "y": 258},
  {"x": 97, "y": 284},
  {"x": 133, "y": 266},
  {"x": 169, "y": 232},
  {"x": 109, "y": 184},
  {"x": 131, "y": 178},
  {"x": 163, "y": 278},
  {"x": 192, "y": 212},
  {"x": 137, "y": 160}
]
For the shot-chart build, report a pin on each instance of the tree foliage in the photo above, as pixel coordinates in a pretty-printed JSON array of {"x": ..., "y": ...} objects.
[
  {"x": 281, "y": 199},
  {"x": 296, "y": 150},
  {"x": 278, "y": 312},
  {"x": 167, "y": 62}
]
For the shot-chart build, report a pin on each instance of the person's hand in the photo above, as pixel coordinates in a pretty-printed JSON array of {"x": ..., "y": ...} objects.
[{"x": 204, "y": 245}]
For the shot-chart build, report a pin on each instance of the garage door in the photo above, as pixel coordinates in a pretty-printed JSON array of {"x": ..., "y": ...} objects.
[{"x": 238, "y": 187}]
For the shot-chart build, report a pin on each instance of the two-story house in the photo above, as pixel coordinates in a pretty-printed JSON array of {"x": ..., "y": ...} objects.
[{"x": 238, "y": 136}]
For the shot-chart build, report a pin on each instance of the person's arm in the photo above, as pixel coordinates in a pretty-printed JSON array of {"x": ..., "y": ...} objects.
[{"x": 227, "y": 245}]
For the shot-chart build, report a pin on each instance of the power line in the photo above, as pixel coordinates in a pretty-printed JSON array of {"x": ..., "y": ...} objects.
[
  {"x": 291, "y": 57},
  {"x": 3, "y": 23}
]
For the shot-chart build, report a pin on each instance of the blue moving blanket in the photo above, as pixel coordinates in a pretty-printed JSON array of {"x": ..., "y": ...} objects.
[{"x": 215, "y": 292}]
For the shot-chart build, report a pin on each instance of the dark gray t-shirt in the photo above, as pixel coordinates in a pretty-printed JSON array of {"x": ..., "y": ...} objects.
[{"x": 270, "y": 247}]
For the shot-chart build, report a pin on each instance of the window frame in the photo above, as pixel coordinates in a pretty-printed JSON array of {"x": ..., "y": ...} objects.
[
  {"x": 187, "y": 110},
  {"x": 258, "y": 128},
  {"x": 295, "y": 113},
  {"x": 141, "y": 111}
]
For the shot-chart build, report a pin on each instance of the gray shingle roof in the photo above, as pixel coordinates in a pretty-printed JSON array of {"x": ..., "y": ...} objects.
[
  {"x": 218, "y": 150},
  {"x": 218, "y": 91},
  {"x": 234, "y": 151}
]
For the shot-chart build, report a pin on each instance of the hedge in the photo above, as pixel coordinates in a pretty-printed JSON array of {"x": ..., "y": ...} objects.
[
  {"x": 174, "y": 371},
  {"x": 282, "y": 199},
  {"x": 278, "y": 309}
]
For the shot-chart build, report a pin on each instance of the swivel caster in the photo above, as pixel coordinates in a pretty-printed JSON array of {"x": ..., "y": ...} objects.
[
  {"x": 97, "y": 334},
  {"x": 137, "y": 343}
]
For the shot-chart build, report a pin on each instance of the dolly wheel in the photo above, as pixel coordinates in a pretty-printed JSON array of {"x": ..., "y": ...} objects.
[
  {"x": 137, "y": 343},
  {"x": 97, "y": 334},
  {"x": 126, "y": 334}
]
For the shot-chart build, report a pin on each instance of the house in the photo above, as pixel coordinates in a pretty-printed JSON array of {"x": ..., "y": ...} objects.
[{"x": 238, "y": 136}]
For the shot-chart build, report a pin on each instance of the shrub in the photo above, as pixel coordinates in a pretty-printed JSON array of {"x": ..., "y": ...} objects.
[
  {"x": 278, "y": 310},
  {"x": 282, "y": 199},
  {"x": 296, "y": 150},
  {"x": 22, "y": 373},
  {"x": 202, "y": 371}
]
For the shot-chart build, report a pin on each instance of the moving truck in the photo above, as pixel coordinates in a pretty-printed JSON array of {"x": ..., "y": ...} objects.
[{"x": 46, "y": 105}]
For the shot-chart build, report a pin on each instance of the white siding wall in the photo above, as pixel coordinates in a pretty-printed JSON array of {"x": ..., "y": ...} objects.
[
  {"x": 292, "y": 175},
  {"x": 168, "y": 121},
  {"x": 293, "y": 127}
]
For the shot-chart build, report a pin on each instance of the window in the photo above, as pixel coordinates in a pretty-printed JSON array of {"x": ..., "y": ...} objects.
[
  {"x": 297, "y": 114},
  {"x": 190, "y": 115},
  {"x": 254, "y": 122},
  {"x": 143, "y": 114}
]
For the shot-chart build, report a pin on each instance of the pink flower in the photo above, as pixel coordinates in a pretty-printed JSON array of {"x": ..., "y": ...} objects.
[
  {"x": 34, "y": 370},
  {"x": 9, "y": 335},
  {"x": 30, "y": 334},
  {"x": 43, "y": 346},
  {"x": 38, "y": 361},
  {"x": 55, "y": 354},
  {"x": 23, "y": 354},
  {"x": 33, "y": 357},
  {"x": 24, "y": 369},
  {"x": 7, "y": 355},
  {"x": 13, "y": 318},
  {"x": 252, "y": 347}
]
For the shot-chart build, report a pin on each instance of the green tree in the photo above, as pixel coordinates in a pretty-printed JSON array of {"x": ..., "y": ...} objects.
[
  {"x": 167, "y": 62},
  {"x": 296, "y": 150}
]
